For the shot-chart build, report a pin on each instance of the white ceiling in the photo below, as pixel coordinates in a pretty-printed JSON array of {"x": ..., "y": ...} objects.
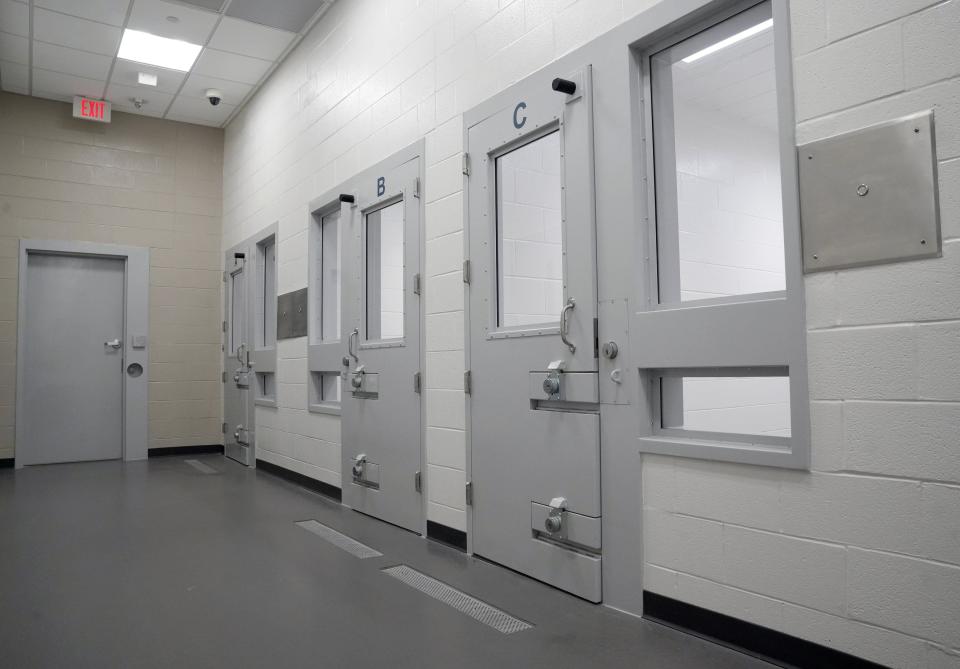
[{"x": 60, "y": 48}]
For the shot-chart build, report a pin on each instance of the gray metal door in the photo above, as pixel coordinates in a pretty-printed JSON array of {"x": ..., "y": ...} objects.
[
  {"x": 381, "y": 324},
  {"x": 73, "y": 359},
  {"x": 534, "y": 407},
  {"x": 238, "y": 357}
]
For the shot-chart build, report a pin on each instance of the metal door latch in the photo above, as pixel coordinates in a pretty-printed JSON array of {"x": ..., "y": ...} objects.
[
  {"x": 551, "y": 384},
  {"x": 359, "y": 465},
  {"x": 554, "y": 522}
]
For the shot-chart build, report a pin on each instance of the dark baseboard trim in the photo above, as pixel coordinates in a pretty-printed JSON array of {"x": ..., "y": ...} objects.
[
  {"x": 6, "y": 463},
  {"x": 761, "y": 642},
  {"x": 303, "y": 481},
  {"x": 184, "y": 450},
  {"x": 447, "y": 535}
]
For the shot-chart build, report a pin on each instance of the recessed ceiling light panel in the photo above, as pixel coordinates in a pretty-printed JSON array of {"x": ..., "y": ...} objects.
[
  {"x": 146, "y": 79},
  {"x": 150, "y": 49}
]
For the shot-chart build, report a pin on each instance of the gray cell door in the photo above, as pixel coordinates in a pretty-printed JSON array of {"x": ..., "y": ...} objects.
[
  {"x": 381, "y": 325},
  {"x": 73, "y": 359},
  {"x": 534, "y": 408},
  {"x": 238, "y": 356}
]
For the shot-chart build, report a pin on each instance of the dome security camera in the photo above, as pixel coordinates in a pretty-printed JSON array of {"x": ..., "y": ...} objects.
[{"x": 214, "y": 96}]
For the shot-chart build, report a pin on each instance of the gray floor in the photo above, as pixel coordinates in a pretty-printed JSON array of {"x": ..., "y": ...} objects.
[{"x": 156, "y": 564}]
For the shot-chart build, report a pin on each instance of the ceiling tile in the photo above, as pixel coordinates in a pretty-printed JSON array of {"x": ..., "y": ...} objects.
[
  {"x": 14, "y": 77},
  {"x": 154, "y": 102},
  {"x": 231, "y": 66},
  {"x": 125, "y": 74},
  {"x": 64, "y": 85},
  {"x": 15, "y": 18},
  {"x": 233, "y": 92},
  {"x": 113, "y": 12},
  {"x": 289, "y": 15},
  {"x": 212, "y": 5},
  {"x": 194, "y": 25},
  {"x": 73, "y": 32},
  {"x": 199, "y": 111},
  {"x": 14, "y": 49},
  {"x": 250, "y": 39},
  {"x": 70, "y": 61}
]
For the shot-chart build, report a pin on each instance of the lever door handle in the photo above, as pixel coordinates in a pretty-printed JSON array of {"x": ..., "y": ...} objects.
[{"x": 113, "y": 343}]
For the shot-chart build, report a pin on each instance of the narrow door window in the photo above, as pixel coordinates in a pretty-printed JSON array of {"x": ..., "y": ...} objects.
[
  {"x": 330, "y": 277},
  {"x": 237, "y": 311},
  {"x": 384, "y": 281},
  {"x": 529, "y": 234},
  {"x": 268, "y": 296}
]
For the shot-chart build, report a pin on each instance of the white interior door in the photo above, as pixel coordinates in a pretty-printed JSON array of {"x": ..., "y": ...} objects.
[
  {"x": 237, "y": 357},
  {"x": 534, "y": 405},
  {"x": 72, "y": 359},
  {"x": 381, "y": 324}
]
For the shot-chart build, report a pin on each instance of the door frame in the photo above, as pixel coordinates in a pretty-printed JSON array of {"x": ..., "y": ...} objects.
[{"x": 136, "y": 308}]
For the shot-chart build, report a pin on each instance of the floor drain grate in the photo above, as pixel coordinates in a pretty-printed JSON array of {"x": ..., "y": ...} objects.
[
  {"x": 201, "y": 467},
  {"x": 461, "y": 601},
  {"x": 341, "y": 541}
]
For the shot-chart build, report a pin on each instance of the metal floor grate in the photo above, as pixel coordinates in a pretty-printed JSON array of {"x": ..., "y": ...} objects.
[
  {"x": 202, "y": 467},
  {"x": 341, "y": 541},
  {"x": 473, "y": 607}
]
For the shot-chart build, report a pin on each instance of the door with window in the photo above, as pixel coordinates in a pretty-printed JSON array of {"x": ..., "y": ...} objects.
[
  {"x": 533, "y": 407},
  {"x": 381, "y": 394},
  {"x": 722, "y": 342},
  {"x": 238, "y": 377}
]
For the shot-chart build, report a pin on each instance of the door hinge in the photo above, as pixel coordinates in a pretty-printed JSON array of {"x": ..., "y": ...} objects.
[
  {"x": 469, "y": 493},
  {"x": 466, "y": 272},
  {"x": 416, "y": 187},
  {"x": 224, "y": 326},
  {"x": 418, "y": 482},
  {"x": 223, "y": 427},
  {"x": 416, "y": 283},
  {"x": 417, "y": 382},
  {"x": 465, "y": 168},
  {"x": 224, "y": 276},
  {"x": 467, "y": 382},
  {"x": 223, "y": 377}
]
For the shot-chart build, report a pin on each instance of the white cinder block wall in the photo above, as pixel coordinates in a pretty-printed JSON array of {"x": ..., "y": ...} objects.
[{"x": 863, "y": 552}]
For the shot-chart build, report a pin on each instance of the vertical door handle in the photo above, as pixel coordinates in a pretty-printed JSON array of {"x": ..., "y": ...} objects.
[
  {"x": 239, "y": 353},
  {"x": 565, "y": 323},
  {"x": 353, "y": 335},
  {"x": 113, "y": 343}
]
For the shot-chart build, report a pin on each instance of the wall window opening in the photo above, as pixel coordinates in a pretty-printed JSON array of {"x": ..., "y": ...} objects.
[{"x": 718, "y": 181}]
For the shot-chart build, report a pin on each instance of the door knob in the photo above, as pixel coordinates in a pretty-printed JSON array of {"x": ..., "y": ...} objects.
[{"x": 113, "y": 343}]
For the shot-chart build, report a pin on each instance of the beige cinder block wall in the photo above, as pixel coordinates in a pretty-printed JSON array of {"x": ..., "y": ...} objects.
[{"x": 137, "y": 181}]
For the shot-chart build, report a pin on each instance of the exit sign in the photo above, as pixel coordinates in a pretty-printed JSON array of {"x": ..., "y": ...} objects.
[{"x": 91, "y": 110}]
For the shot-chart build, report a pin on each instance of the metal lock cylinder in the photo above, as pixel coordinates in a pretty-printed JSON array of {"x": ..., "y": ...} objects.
[{"x": 359, "y": 464}]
